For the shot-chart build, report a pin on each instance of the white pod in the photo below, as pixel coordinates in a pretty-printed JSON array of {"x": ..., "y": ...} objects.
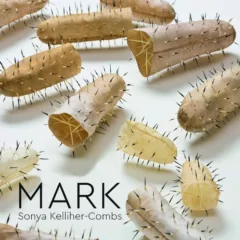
[
  {"x": 8, "y": 232},
  {"x": 150, "y": 11},
  {"x": 139, "y": 140},
  {"x": 209, "y": 104},
  {"x": 162, "y": 47},
  {"x": 154, "y": 216},
  {"x": 78, "y": 118},
  {"x": 12, "y": 10},
  {"x": 16, "y": 163}
]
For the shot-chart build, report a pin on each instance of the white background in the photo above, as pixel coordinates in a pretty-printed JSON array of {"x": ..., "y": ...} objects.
[{"x": 155, "y": 99}]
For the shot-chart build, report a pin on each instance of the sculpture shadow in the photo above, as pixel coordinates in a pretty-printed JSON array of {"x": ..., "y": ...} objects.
[
  {"x": 216, "y": 143},
  {"x": 154, "y": 176},
  {"x": 32, "y": 111},
  {"x": 19, "y": 30},
  {"x": 85, "y": 160},
  {"x": 167, "y": 81}
]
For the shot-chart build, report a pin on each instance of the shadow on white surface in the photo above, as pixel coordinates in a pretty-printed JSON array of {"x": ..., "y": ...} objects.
[
  {"x": 21, "y": 29},
  {"x": 10, "y": 198},
  {"x": 216, "y": 143},
  {"x": 165, "y": 81},
  {"x": 214, "y": 220},
  {"x": 30, "y": 111},
  {"x": 105, "y": 54},
  {"x": 154, "y": 176},
  {"x": 84, "y": 161}
]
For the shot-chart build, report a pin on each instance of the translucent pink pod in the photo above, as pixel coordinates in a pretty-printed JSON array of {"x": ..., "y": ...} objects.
[
  {"x": 162, "y": 47},
  {"x": 12, "y": 10}
]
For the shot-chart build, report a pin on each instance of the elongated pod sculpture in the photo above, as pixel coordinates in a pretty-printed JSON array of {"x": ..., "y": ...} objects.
[
  {"x": 78, "y": 118},
  {"x": 141, "y": 141},
  {"x": 209, "y": 104},
  {"x": 199, "y": 190},
  {"x": 157, "y": 219},
  {"x": 150, "y": 11},
  {"x": 8, "y": 232},
  {"x": 162, "y": 47},
  {"x": 40, "y": 71},
  {"x": 16, "y": 163},
  {"x": 104, "y": 25},
  {"x": 12, "y": 10}
]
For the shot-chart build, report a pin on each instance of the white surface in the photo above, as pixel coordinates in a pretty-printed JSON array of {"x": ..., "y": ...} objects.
[{"x": 156, "y": 100}]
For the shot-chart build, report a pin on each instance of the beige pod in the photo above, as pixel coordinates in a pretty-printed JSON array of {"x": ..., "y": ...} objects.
[
  {"x": 15, "y": 164},
  {"x": 209, "y": 104},
  {"x": 12, "y": 10},
  {"x": 199, "y": 190},
  {"x": 40, "y": 71},
  {"x": 8, "y": 232},
  {"x": 149, "y": 11},
  {"x": 139, "y": 140},
  {"x": 162, "y": 47},
  {"x": 77, "y": 119},
  {"x": 157, "y": 219},
  {"x": 104, "y": 25}
]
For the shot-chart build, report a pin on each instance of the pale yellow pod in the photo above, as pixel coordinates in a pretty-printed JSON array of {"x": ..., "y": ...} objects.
[
  {"x": 144, "y": 142},
  {"x": 161, "y": 47},
  {"x": 12, "y": 10},
  {"x": 149, "y": 11},
  {"x": 40, "y": 71},
  {"x": 199, "y": 190},
  {"x": 104, "y": 25}
]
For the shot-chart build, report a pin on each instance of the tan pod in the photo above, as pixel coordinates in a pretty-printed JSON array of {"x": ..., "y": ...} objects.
[
  {"x": 104, "y": 25},
  {"x": 162, "y": 47},
  {"x": 157, "y": 219},
  {"x": 12, "y": 10},
  {"x": 209, "y": 104},
  {"x": 144, "y": 142},
  {"x": 40, "y": 71},
  {"x": 78, "y": 118},
  {"x": 199, "y": 191},
  {"x": 149, "y": 11},
  {"x": 8, "y": 232}
]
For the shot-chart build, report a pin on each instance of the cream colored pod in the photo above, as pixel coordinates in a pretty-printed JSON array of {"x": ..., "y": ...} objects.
[
  {"x": 157, "y": 219},
  {"x": 208, "y": 105},
  {"x": 149, "y": 11},
  {"x": 77, "y": 119},
  {"x": 139, "y": 140},
  {"x": 8, "y": 232},
  {"x": 162, "y": 47},
  {"x": 12, "y": 10},
  {"x": 199, "y": 190},
  {"x": 104, "y": 25},
  {"x": 15, "y": 164},
  {"x": 40, "y": 71}
]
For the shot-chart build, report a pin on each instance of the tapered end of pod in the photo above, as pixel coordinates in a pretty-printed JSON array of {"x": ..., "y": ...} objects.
[
  {"x": 141, "y": 45},
  {"x": 199, "y": 190},
  {"x": 67, "y": 129}
]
